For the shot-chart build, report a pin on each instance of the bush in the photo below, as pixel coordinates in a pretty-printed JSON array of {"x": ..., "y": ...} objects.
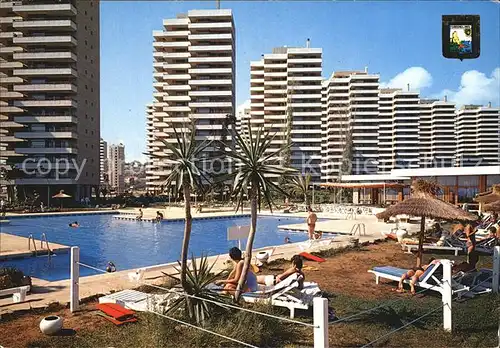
[{"x": 12, "y": 277}]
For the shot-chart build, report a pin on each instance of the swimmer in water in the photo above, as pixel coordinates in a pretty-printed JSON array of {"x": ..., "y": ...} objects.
[
  {"x": 74, "y": 224},
  {"x": 287, "y": 240},
  {"x": 110, "y": 268}
]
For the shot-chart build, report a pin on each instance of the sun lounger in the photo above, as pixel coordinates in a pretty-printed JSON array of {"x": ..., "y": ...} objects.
[
  {"x": 18, "y": 294},
  {"x": 286, "y": 294},
  {"x": 315, "y": 243},
  {"x": 412, "y": 247},
  {"x": 431, "y": 279}
]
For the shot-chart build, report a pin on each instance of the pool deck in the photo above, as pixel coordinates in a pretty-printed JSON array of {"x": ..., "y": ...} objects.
[
  {"x": 44, "y": 292},
  {"x": 16, "y": 246}
]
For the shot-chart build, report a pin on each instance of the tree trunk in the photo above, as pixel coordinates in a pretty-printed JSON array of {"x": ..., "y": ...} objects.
[
  {"x": 187, "y": 236},
  {"x": 421, "y": 242},
  {"x": 251, "y": 237}
]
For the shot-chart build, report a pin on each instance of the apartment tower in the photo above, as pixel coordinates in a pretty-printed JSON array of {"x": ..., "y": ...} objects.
[
  {"x": 49, "y": 100},
  {"x": 285, "y": 99},
  {"x": 478, "y": 132},
  {"x": 194, "y": 82},
  {"x": 103, "y": 162},
  {"x": 398, "y": 131},
  {"x": 437, "y": 142},
  {"x": 116, "y": 167},
  {"x": 350, "y": 124}
]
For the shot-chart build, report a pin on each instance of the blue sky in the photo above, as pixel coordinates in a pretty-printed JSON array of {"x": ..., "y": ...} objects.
[{"x": 400, "y": 40}]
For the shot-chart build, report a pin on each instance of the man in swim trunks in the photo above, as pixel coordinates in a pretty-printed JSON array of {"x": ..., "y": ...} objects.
[{"x": 311, "y": 222}]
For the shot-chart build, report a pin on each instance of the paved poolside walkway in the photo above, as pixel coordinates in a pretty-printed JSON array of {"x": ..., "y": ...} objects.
[
  {"x": 44, "y": 292},
  {"x": 16, "y": 246}
]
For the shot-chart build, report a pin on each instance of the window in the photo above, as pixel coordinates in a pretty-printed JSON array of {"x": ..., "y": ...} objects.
[
  {"x": 86, "y": 87},
  {"x": 86, "y": 102},
  {"x": 86, "y": 131},
  {"x": 86, "y": 145},
  {"x": 85, "y": 27},
  {"x": 86, "y": 72},
  {"x": 86, "y": 173},
  {"x": 86, "y": 12},
  {"x": 86, "y": 116},
  {"x": 91, "y": 89},
  {"x": 86, "y": 43},
  {"x": 86, "y": 57}
]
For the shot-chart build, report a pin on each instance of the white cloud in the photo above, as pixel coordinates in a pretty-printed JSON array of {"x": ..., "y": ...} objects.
[
  {"x": 417, "y": 77},
  {"x": 475, "y": 88}
]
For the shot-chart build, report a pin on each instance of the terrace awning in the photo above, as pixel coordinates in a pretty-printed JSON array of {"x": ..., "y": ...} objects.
[{"x": 355, "y": 185}]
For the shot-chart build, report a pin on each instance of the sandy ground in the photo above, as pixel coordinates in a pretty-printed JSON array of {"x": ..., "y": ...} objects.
[{"x": 345, "y": 273}]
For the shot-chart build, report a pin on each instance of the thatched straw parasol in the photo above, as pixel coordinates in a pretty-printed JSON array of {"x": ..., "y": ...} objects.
[
  {"x": 495, "y": 206},
  {"x": 424, "y": 203},
  {"x": 489, "y": 196}
]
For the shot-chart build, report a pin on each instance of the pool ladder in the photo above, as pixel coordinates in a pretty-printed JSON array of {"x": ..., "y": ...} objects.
[
  {"x": 360, "y": 228},
  {"x": 43, "y": 238}
]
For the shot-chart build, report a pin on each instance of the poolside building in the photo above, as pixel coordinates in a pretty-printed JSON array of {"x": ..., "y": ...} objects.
[
  {"x": 49, "y": 95},
  {"x": 285, "y": 92},
  {"x": 194, "y": 82}
]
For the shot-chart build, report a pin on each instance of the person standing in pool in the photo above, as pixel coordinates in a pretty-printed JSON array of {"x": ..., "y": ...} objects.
[
  {"x": 311, "y": 222},
  {"x": 141, "y": 214}
]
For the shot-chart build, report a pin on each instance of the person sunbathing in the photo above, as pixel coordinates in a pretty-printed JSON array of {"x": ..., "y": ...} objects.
[
  {"x": 296, "y": 268},
  {"x": 413, "y": 274},
  {"x": 232, "y": 280}
]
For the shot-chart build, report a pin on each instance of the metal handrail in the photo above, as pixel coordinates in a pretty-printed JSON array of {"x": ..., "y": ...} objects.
[
  {"x": 43, "y": 238},
  {"x": 31, "y": 238},
  {"x": 359, "y": 227}
]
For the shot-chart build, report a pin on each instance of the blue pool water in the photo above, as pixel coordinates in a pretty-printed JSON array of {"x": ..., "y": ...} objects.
[{"x": 132, "y": 244}]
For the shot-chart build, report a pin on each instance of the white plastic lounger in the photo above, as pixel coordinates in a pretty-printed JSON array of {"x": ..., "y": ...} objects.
[
  {"x": 429, "y": 280},
  {"x": 309, "y": 244},
  {"x": 140, "y": 301},
  {"x": 411, "y": 247},
  {"x": 18, "y": 294},
  {"x": 286, "y": 294}
]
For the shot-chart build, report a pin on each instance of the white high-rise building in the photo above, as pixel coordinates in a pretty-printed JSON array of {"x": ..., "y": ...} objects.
[
  {"x": 398, "y": 132},
  {"x": 478, "y": 136},
  {"x": 194, "y": 82},
  {"x": 437, "y": 142},
  {"x": 116, "y": 167},
  {"x": 242, "y": 118},
  {"x": 103, "y": 162},
  {"x": 350, "y": 107},
  {"x": 49, "y": 95},
  {"x": 285, "y": 95}
]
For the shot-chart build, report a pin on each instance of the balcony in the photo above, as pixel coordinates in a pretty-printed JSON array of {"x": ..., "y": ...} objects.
[
  {"x": 214, "y": 48},
  {"x": 47, "y": 135},
  {"x": 9, "y": 109},
  {"x": 46, "y": 119},
  {"x": 47, "y": 103},
  {"x": 169, "y": 77},
  {"x": 67, "y": 40},
  {"x": 46, "y": 72},
  {"x": 10, "y": 65},
  {"x": 45, "y": 181},
  {"x": 10, "y": 50},
  {"x": 45, "y": 9},
  {"x": 221, "y": 36},
  {"x": 11, "y": 95},
  {"x": 210, "y": 93},
  {"x": 174, "y": 66},
  {"x": 305, "y": 70},
  {"x": 218, "y": 25},
  {"x": 176, "y": 98},
  {"x": 214, "y": 71},
  {"x": 47, "y": 150},
  {"x": 46, "y": 87},
  {"x": 175, "y": 22},
  {"x": 210, "y": 104},
  {"x": 174, "y": 44},
  {"x": 55, "y": 56},
  {"x": 9, "y": 20},
  {"x": 210, "y": 82},
  {"x": 167, "y": 87},
  {"x": 210, "y": 60},
  {"x": 63, "y": 25},
  {"x": 177, "y": 108},
  {"x": 176, "y": 33}
]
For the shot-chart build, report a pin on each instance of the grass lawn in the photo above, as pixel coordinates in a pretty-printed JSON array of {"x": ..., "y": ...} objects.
[{"x": 345, "y": 281}]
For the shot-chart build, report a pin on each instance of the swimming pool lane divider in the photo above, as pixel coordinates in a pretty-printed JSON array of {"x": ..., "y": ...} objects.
[{"x": 320, "y": 306}]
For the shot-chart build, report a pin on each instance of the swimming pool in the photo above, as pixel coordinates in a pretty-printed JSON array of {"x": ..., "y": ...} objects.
[{"x": 133, "y": 244}]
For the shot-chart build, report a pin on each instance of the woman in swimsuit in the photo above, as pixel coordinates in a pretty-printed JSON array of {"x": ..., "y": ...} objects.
[
  {"x": 296, "y": 268},
  {"x": 231, "y": 283},
  {"x": 413, "y": 274}
]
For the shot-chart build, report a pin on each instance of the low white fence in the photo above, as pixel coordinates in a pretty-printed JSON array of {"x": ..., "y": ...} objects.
[{"x": 320, "y": 305}]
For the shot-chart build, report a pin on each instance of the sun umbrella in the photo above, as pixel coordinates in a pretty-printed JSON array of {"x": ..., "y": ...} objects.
[
  {"x": 489, "y": 196},
  {"x": 495, "y": 206},
  {"x": 425, "y": 204},
  {"x": 61, "y": 195}
]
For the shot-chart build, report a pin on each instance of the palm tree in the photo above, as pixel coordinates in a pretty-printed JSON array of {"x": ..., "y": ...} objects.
[
  {"x": 253, "y": 178},
  {"x": 186, "y": 175},
  {"x": 299, "y": 186}
]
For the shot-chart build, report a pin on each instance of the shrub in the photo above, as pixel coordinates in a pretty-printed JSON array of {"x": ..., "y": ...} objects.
[{"x": 12, "y": 277}]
